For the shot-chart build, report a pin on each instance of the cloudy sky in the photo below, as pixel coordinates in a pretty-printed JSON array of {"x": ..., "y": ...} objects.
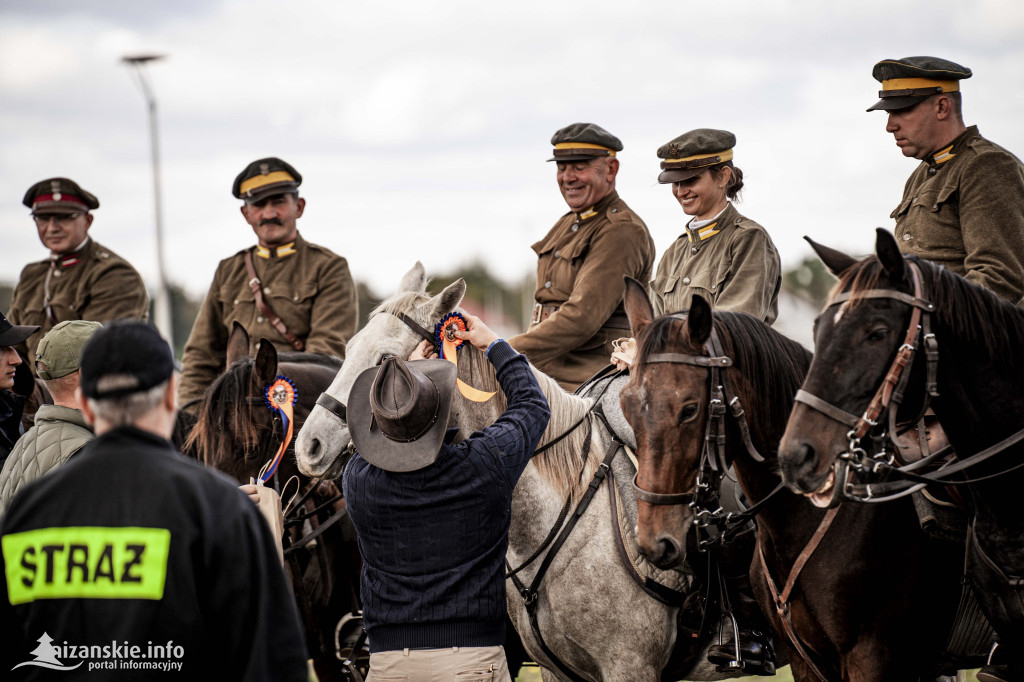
[{"x": 422, "y": 128}]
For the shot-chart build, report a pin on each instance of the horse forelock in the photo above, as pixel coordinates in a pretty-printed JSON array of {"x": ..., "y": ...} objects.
[
  {"x": 862, "y": 276},
  {"x": 402, "y": 302},
  {"x": 226, "y": 419},
  {"x": 561, "y": 464}
]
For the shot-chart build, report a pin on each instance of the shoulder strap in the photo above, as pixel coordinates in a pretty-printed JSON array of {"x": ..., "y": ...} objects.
[{"x": 257, "y": 291}]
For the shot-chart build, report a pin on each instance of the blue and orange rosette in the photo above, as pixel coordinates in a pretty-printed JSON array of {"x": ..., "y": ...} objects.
[
  {"x": 448, "y": 346},
  {"x": 280, "y": 395}
]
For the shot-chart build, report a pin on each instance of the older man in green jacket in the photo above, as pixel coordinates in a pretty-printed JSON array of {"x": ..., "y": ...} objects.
[{"x": 60, "y": 429}]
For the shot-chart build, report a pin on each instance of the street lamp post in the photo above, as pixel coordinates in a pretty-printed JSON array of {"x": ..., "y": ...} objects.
[{"x": 162, "y": 307}]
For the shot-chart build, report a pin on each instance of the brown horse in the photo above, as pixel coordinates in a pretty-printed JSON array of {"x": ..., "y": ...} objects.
[
  {"x": 237, "y": 433},
  {"x": 898, "y": 327},
  {"x": 850, "y": 613}
]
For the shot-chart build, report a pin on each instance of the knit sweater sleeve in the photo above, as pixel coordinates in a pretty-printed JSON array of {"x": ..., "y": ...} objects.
[{"x": 517, "y": 431}]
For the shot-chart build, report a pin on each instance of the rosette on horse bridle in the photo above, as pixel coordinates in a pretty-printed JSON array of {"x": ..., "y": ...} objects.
[
  {"x": 280, "y": 396},
  {"x": 448, "y": 345}
]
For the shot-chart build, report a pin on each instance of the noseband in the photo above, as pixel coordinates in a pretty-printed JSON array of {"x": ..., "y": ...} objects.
[{"x": 335, "y": 406}]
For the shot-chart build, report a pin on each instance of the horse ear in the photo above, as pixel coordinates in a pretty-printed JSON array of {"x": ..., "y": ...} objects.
[
  {"x": 836, "y": 261},
  {"x": 238, "y": 344},
  {"x": 889, "y": 255},
  {"x": 449, "y": 299},
  {"x": 415, "y": 280},
  {"x": 699, "y": 320},
  {"x": 266, "y": 363},
  {"x": 638, "y": 306}
]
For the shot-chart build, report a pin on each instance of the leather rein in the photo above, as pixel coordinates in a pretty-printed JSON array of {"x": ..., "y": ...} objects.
[{"x": 889, "y": 396}]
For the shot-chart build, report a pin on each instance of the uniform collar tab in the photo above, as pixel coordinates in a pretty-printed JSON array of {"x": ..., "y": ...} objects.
[{"x": 276, "y": 252}]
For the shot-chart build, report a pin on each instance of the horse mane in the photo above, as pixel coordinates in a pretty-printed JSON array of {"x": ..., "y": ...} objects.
[
  {"x": 561, "y": 464},
  {"x": 225, "y": 414},
  {"x": 772, "y": 366},
  {"x": 972, "y": 312}
]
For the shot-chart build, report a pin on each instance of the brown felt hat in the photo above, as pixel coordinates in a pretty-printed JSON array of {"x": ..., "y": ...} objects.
[{"x": 398, "y": 412}]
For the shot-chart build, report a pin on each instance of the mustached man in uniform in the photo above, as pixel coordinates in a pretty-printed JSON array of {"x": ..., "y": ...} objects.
[
  {"x": 298, "y": 295},
  {"x": 582, "y": 261},
  {"x": 963, "y": 206},
  {"x": 81, "y": 279},
  {"x": 130, "y": 544}
]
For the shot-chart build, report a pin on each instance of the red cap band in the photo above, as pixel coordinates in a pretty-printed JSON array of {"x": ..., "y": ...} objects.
[{"x": 60, "y": 196}]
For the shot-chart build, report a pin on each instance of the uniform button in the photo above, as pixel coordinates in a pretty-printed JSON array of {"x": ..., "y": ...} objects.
[
  {"x": 260, "y": 318},
  {"x": 686, "y": 280},
  {"x": 931, "y": 171},
  {"x": 575, "y": 227},
  {"x": 547, "y": 285},
  {"x": 556, "y": 253},
  {"x": 694, "y": 249},
  {"x": 615, "y": 210},
  {"x": 57, "y": 273},
  {"x": 906, "y": 237},
  {"x": 935, "y": 207},
  {"x": 236, "y": 301},
  {"x": 266, "y": 290},
  {"x": 295, "y": 297}
]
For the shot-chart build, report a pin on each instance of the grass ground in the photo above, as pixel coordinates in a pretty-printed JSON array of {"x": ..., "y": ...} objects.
[{"x": 532, "y": 674}]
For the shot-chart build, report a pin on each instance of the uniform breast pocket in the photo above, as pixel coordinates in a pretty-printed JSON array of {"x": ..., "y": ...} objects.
[
  {"x": 933, "y": 222},
  {"x": 565, "y": 264},
  {"x": 238, "y": 305},
  {"x": 293, "y": 303}
]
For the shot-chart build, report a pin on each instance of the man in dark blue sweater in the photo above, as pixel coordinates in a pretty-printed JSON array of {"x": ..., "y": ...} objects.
[{"x": 433, "y": 516}]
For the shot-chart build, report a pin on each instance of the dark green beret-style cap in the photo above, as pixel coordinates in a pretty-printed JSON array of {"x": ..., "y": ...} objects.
[
  {"x": 59, "y": 195},
  {"x": 691, "y": 153},
  {"x": 907, "y": 81},
  {"x": 583, "y": 141},
  {"x": 265, "y": 178}
]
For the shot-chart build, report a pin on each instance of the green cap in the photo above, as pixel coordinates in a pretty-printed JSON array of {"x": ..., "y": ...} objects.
[
  {"x": 691, "y": 153},
  {"x": 59, "y": 351},
  {"x": 265, "y": 178},
  {"x": 59, "y": 195},
  {"x": 907, "y": 81},
  {"x": 583, "y": 141}
]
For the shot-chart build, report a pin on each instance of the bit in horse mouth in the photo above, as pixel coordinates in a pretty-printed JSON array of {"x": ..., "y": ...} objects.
[{"x": 822, "y": 497}]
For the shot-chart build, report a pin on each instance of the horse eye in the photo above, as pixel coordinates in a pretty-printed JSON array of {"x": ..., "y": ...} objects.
[
  {"x": 689, "y": 413},
  {"x": 879, "y": 334}
]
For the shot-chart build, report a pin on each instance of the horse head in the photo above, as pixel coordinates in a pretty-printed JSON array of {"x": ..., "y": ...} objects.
[
  {"x": 666, "y": 404},
  {"x": 856, "y": 339},
  {"x": 235, "y": 431},
  {"x": 324, "y": 437}
]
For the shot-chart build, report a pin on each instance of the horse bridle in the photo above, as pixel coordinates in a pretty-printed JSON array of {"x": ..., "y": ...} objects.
[
  {"x": 335, "y": 406},
  {"x": 889, "y": 394},
  {"x": 713, "y": 460}
]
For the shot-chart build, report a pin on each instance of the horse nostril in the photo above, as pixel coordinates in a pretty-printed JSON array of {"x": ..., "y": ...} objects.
[
  {"x": 667, "y": 553},
  {"x": 314, "y": 448},
  {"x": 805, "y": 455}
]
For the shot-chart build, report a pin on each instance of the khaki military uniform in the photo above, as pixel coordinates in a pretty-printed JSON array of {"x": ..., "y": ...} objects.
[
  {"x": 311, "y": 290},
  {"x": 735, "y": 267},
  {"x": 95, "y": 284},
  {"x": 967, "y": 214},
  {"x": 581, "y": 265}
]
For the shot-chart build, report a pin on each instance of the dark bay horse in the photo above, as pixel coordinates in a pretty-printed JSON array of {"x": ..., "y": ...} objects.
[
  {"x": 876, "y": 599},
  {"x": 963, "y": 347},
  {"x": 237, "y": 433}
]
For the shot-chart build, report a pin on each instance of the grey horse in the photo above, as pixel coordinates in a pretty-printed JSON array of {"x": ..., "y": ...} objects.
[{"x": 592, "y": 614}]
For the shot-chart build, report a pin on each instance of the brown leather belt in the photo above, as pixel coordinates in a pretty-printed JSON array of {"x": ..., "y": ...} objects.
[
  {"x": 257, "y": 291},
  {"x": 542, "y": 312}
]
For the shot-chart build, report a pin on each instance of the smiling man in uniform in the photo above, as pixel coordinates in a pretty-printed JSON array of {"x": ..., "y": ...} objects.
[{"x": 582, "y": 261}]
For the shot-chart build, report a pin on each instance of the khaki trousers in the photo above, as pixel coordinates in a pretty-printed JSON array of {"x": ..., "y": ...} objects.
[{"x": 461, "y": 664}]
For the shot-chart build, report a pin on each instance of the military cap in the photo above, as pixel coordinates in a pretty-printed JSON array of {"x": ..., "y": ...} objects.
[
  {"x": 59, "y": 350},
  {"x": 59, "y": 195},
  {"x": 907, "y": 81},
  {"x": 13, "y": 334},
  {"x": 265, "y": 178},
  {"x": 691, "y": 153},
  {"x": 583, "y": 141},
  {"x": 122, "y": 358}
]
